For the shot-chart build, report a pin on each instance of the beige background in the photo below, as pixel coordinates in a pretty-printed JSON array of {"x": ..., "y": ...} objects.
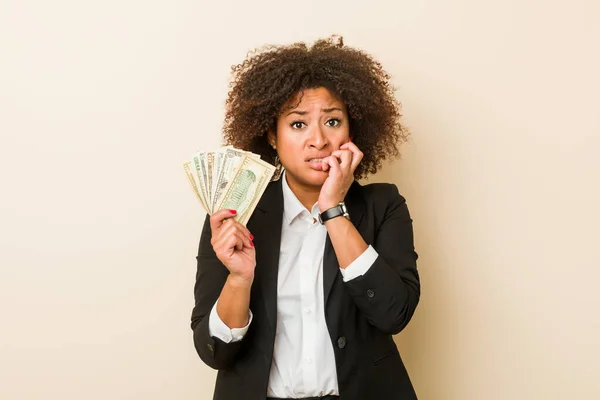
[{"x": 101, "y": 101}]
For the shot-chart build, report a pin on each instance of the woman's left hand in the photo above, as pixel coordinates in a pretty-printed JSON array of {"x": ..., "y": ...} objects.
[{"x": 341, "y": 165}]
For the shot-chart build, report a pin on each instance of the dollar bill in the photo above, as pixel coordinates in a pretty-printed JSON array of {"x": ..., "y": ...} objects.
[
  {"x": 205, "y": 177},
  {"x": 210, "y": 160},
  {"x": 201, "y": 180},
  {"x": 229, "y": 178},
  {"x": 230, "y": 162},
  {"x": 248, "y": 153},
  {"x": 246, "y": 187},
  {"x": 217, "y": 165},
  {"x": 191, "y": 176}
]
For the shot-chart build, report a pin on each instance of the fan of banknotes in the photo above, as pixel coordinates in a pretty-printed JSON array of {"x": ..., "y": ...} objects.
[{"x": 229, "y": 178}]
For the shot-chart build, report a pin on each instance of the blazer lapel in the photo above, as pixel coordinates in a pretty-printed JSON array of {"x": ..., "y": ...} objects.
[
  {"x": 355, "y": 204},
  {"x": 265, "y": 224}
]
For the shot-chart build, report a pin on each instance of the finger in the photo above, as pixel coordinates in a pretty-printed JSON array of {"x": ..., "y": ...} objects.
[
  {"x": 231, "y": 243},
  {"x": 243, "y": 240},
  {"x": 231, "y": 225},
  {"x": 239, "y": 244},
  {"x": 345, "y": 157},
  {"x": 357, "y": 155},
  {"x": 227, "y": 230},
  {"x": 233, "y": 228},
  {"x": 242, "y": 229},
  {"x": 334, "y": 165},
  {"x": 216, "y": 220},
  {"x": 329, "y": 161},
  {"x": 350, "y": 146}
]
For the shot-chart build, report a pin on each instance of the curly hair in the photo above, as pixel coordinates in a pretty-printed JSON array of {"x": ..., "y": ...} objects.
[{"x": 272, "y": 75}]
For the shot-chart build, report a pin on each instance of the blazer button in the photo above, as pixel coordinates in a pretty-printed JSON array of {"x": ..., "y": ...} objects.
[
  {"x": 370, "y": 293},
  {"x": 210, "y": 347},
  {"x": 341, "y": 342}
]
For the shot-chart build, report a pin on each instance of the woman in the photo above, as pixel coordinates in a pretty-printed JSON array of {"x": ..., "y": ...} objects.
[{"x": 303, "y": 302}]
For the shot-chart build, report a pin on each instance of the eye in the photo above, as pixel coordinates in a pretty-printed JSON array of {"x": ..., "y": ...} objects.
[
  {"x": 297, "y": 124},
  {"x": 333, "y": 122}
]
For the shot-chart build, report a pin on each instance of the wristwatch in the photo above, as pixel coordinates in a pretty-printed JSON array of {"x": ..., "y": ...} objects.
[{"x": 337, "y": 211}]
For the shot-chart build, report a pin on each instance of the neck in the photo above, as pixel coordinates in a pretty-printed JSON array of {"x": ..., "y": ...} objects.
[{"x": 307, "y": 195}]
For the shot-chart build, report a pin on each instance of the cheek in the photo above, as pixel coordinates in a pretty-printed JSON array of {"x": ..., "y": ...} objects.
[
  {"x": 288, "y": 148},
  {"x": 339, "y": 139},
  {"x": 289, "y": 140}
]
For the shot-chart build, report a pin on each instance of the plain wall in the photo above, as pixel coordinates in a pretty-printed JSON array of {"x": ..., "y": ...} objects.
[{"x": 101, "y": 102}]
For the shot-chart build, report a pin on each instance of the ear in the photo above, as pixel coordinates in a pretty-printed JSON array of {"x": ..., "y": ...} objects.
[{"x": 272, "y": 138}]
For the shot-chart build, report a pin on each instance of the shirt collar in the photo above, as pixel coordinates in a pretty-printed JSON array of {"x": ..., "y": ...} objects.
[{"x": 291, "y": 205}]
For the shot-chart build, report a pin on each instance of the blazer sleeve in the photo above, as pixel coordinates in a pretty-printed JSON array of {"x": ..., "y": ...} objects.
[
  {"x": 388, "y": 293},
  {"x": 210, "y": 279}
]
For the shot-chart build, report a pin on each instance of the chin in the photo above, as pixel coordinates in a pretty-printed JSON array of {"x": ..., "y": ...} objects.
[
  {"x": 310, "y": 178},
  {"x": 316, "y": 178}
]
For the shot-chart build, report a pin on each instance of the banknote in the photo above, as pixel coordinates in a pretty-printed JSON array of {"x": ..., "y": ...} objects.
[
  {"x": 246, "y": 187},
  {"x": 229, "y": 178},
  {"x": 196, "y": 160},
  {"x": 249, "y": 153},
  {"x": 210, "y": 160},
  {"x": 217, "y": 163},
  {"x": 205, "y": 176},
  {"x": 231, "y": 159},
  {"x": 191, "y": 176}
]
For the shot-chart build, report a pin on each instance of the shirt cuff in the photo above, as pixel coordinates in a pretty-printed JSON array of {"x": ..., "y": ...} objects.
[
  {"x": 218, "y": 329},
  {"x": 361, "y": 265}
]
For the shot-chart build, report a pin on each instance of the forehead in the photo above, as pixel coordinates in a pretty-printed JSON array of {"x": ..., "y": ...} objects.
[{"x": 318, "y": 97}]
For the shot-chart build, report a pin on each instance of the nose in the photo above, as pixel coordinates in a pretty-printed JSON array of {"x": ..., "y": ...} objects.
[{"x": 317, "y": 139}]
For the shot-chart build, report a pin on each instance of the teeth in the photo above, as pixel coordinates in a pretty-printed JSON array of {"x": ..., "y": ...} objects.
[{"x": 315, "y": 160}]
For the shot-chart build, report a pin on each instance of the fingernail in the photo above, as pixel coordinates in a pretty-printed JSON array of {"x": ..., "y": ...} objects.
[
  {"x": 251, "y": 237},
  {"x": 252, "y": 244},
  {"x": 233, "y": 212},
  {"x": 350, "y": 139}
]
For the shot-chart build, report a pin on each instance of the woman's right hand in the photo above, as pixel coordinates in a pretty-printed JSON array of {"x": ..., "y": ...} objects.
[{"x": 232, "y": 243}]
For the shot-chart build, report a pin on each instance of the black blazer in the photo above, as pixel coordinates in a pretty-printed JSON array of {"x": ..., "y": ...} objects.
[{"x": 362, "y": 314}]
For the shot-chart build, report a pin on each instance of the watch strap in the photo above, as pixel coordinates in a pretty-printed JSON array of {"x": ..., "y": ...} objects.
[{"x": 333, "y": 212}]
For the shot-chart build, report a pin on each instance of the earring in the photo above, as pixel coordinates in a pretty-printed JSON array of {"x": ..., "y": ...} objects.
[{"x": 278, "y": 168}]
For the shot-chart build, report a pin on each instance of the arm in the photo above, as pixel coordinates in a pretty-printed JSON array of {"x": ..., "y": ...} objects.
[
  {"x": 229, "y": 285},
  {"x": 388, "y": 293},
  {"x": 389, "y": 290},
  {"x": 346, "y": 241}
]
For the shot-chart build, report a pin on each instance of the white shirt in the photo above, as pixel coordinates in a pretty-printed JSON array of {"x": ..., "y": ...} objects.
[{"x": 303, "y": 359}]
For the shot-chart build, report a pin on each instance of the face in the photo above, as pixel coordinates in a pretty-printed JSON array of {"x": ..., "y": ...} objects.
[{"x": 305, "y": 134}]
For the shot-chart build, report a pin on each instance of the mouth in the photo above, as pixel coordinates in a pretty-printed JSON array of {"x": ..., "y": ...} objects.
[
  {"x": 318, "y": 158},
  {"x": 315, "y": 163}
]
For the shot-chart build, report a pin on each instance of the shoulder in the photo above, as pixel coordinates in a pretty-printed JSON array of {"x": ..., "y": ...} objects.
[{"x": 380, "y": 193}]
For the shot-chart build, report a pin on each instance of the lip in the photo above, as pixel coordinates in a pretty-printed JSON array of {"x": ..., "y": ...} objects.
[
  {"x": 317, "y": 166},
  {"x": 316, "y": 156}
]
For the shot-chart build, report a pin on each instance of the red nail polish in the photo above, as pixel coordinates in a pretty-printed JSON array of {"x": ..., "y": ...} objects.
[
  {"x": 350, "y": 140},
  {"x": 251, "y": 237},
  {"x": 252, "y": 244},
  {"x": 233, "y": 212}
]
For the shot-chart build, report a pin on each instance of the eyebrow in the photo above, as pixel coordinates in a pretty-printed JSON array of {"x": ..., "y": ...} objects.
[{"x": 325, "y": 110}]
